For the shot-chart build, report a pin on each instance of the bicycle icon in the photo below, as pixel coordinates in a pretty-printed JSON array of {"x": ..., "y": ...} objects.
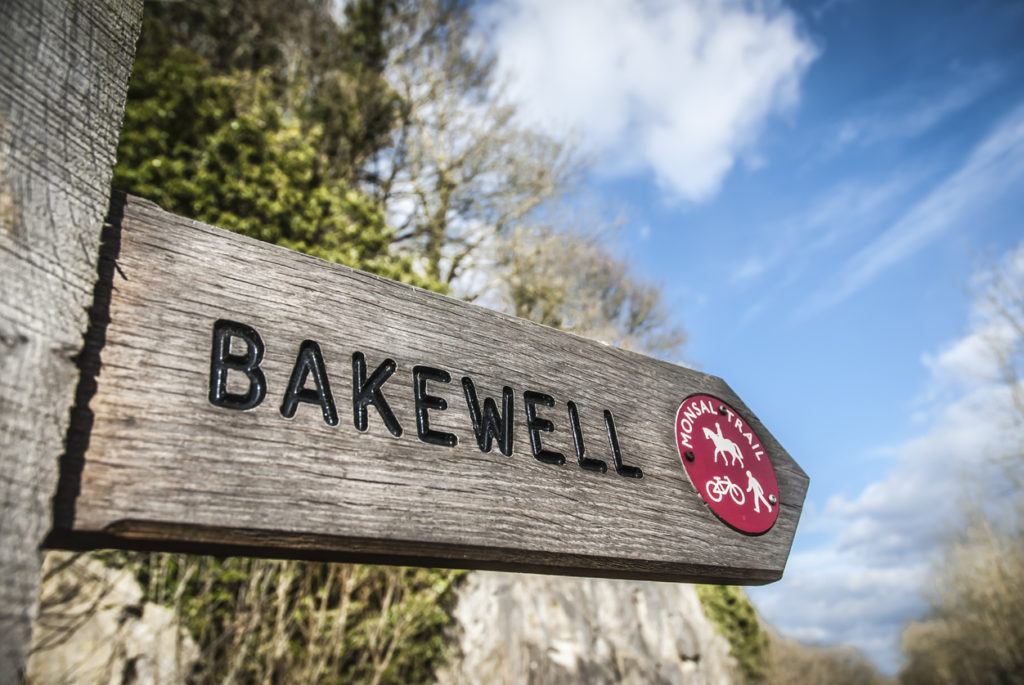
[{"x": 720, "y": 486}]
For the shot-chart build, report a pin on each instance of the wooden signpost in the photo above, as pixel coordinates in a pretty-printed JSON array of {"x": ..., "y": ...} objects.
[
  {"x": 253, "y": 399},
  {"x": 236, "y": 397}
]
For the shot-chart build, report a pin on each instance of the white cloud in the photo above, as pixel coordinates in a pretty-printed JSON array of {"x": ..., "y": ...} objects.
[
  {"x": 971, "y": 357},
  {"x": 843, "y": 211},
  {"x": 993, "y": 167},
  {"x": 801, "y": 244},
  {"x": 866, "y": 580},
  {"x": 911, "y": 113},
  {"x": 678, "y": 88}
]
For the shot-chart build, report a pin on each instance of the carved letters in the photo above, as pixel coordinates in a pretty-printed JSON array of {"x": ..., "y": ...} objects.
[{"x": 310, "y": 383}]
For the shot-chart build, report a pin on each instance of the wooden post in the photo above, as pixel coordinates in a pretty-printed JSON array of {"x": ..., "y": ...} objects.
[{"x": 64, "y": 70}]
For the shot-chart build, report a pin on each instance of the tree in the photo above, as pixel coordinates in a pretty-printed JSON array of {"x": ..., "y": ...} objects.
[
  {"x": 570, "y": 279},
  {"x": 790, "y": 661},
  {"x": 461, "y": 171},
  {"x": 220, "y": 148},
  {"x": 327, "y": 75},
  {"x": 1003, "y": 294},
  {"x": 485, "y": 203},
  {"x": 973, "y": 631}
]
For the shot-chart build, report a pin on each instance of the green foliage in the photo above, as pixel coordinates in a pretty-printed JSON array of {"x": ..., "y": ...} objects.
[
  {"x": 220, "y": 148},
  {"x": 256, "y": 620},
  {"x": 736, "y": 620},
  {"x": 328, "y": 74}
]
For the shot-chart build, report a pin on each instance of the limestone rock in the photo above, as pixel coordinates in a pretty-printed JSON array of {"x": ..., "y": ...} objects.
[
  {"x": 513, "y": 628},
  {"x": 95, "y": 627}
]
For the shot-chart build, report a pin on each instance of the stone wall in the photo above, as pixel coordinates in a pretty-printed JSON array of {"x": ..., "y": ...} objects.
[
  {"x": 512, "y": 628},
  {"x": 95, "y": 627}
]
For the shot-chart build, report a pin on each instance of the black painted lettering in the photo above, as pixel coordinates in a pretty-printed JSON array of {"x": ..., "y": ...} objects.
[
  {"x": 310, "y": 361},
  {"x": 613, "y": 439},
  {"x": 367, "y": 391},
  {"x": 491, "y": 425},
  {"x": 535, "y": 425},
  {"x": 577, "y": 440},
  {"x": 222, "y": 361},
  {"x": 425, "y": 402}
]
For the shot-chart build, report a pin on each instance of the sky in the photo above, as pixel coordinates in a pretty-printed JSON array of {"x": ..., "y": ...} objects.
[{"x": 819, "y": 189}]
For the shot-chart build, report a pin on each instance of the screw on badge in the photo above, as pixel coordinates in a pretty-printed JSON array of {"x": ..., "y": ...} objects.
[
  {"x": 773, "y": 500},
  {"x": 721, "y": 409},
  {"x": 689, "y": 455}
]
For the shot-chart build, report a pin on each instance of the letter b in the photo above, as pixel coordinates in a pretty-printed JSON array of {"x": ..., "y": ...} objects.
[{"x": 222, "y": 361}]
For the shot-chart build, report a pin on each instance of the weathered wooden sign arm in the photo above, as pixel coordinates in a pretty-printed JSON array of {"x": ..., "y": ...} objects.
[{"x": 247, "y": 398}]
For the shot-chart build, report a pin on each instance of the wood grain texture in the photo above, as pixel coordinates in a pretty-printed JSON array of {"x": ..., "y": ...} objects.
[
  {"x": 163, "y": 467},
  {"x": 63, "y": 78}
]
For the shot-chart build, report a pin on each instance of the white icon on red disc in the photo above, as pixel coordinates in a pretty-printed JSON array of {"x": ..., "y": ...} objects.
[{"x": 727, "y": 464}]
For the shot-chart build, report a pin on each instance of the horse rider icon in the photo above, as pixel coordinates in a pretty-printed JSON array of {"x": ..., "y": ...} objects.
[
  {"x": 755, "y": 487},
  {"x": 724, "y": 446}
]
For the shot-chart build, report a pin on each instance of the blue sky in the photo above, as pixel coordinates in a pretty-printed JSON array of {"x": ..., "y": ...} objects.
[{"x": 816, "y": 186}]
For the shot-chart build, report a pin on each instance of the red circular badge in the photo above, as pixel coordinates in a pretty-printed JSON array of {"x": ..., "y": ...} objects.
[{"x": 727, "y": 464}]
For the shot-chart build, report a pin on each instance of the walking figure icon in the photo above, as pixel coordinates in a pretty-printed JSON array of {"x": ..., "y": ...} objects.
[{"x": 754, "y": 486}]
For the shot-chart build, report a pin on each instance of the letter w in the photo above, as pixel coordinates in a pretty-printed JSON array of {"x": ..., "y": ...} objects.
[{"x": 490, "y": 425}]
